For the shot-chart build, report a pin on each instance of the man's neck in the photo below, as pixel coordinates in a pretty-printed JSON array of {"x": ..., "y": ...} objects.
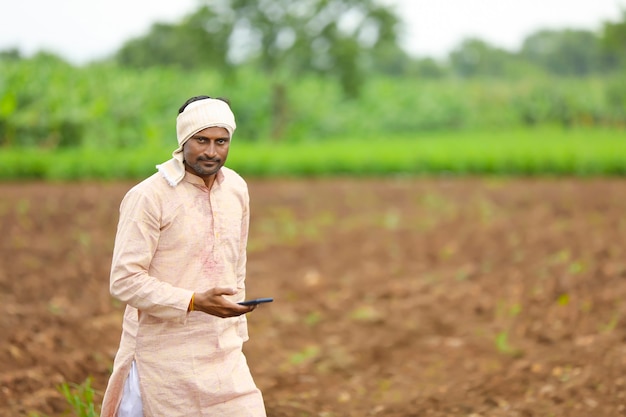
[{"x": 208, "y": 181}]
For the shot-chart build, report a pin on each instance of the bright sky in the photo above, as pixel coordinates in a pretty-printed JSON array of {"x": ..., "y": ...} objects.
[{"x": 82, "y": 30}]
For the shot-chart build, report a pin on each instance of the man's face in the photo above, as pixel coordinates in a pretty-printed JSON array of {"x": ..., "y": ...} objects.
[{"x": 206, "y": 151}]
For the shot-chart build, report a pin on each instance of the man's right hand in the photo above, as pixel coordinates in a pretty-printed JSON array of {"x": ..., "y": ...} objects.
[{"x": 213, "y": 302}]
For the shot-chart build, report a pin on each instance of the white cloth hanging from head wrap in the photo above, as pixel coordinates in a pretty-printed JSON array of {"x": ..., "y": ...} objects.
[{"x": 198, "y": 115}]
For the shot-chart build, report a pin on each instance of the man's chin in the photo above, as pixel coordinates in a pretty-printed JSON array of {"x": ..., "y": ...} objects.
[{"x": 206, "y": 172}]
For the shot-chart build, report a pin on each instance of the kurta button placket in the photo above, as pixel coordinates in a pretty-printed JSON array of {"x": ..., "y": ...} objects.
[
  {"x": 209, "y": 218},
  {"x": 216, "y": 222},
  {"x": 216, "y": 215}
]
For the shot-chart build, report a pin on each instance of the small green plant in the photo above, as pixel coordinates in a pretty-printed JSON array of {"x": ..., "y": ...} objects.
[
  {"x": 563, "y": 299},
  {"x": 502, "y": 343},
  {"x": 503, "y": 346},
  {"x": 305, "y": 355},
  {"x": 365, "y": 314},
  {"x": 80, "y": 398},
  {"x": 313, "y": 318},
  {"x": 610, "y": 326}
]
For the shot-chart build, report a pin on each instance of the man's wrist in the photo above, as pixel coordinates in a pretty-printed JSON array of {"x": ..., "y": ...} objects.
[{"x": 191, "y": 306}]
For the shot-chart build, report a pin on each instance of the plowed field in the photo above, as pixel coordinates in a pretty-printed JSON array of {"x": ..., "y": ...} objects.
[{"x": 396, "y": 297}]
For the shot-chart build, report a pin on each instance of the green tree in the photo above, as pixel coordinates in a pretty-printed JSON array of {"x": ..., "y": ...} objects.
[
  {"x": 564, "y": 52},
  {"x": 428, "y": 68},
  {"x": 284, "y": 38},
  {"x": 200, "y": 40},
  {"x": 12, "y": 54},
  {"x": 613, "y": 42},
  {"x": 290, "y": 38},
  {"x": 476, "y": 58}
]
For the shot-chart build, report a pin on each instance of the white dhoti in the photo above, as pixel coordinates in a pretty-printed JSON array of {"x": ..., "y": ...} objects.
[{"x": 130, "y": 405}]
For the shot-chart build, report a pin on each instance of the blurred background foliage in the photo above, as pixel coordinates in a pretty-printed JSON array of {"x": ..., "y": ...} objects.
[{"x": 298, "y": 71}]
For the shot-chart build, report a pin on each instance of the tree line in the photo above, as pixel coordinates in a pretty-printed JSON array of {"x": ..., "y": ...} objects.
[
  {"x": 347, "y": 39},
  {"x": 288, "y": 62}
]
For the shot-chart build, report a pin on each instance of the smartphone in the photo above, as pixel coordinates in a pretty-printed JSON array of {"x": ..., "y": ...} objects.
[{"x": 256, "y": 301}]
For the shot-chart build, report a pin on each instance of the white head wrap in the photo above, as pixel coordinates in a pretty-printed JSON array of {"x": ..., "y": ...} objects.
[{"x": 197, "y": 116}]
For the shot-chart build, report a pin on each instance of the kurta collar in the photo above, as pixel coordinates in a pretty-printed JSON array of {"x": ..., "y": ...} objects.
[{"x": 198, "y": 181}]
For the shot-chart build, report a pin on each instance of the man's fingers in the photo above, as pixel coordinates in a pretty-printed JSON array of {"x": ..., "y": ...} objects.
[{"x": 223, "y": 291}]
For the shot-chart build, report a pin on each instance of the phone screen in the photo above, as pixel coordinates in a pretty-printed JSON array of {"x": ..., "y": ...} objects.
[{"x": 256, "y": 301}]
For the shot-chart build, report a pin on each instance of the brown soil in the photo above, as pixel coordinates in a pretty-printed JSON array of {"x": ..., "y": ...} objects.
[{"x": 404, "y": 297}]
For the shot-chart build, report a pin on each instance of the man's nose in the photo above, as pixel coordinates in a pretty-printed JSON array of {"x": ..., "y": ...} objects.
[{"x": 210, "y": 150}]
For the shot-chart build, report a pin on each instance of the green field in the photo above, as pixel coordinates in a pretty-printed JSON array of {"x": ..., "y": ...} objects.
[
  {"x": 59, "y": 122},
  {"x": 541, "y": 151}
]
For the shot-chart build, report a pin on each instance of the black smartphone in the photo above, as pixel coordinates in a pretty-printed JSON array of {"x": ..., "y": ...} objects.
[{"x": 256, "y": 301}]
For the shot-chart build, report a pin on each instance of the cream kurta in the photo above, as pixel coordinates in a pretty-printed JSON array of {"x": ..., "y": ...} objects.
[{"x": 171, "y": 242}]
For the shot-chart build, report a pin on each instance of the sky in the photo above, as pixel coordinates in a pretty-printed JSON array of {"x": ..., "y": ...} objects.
[{"x": 85, "y": 30}]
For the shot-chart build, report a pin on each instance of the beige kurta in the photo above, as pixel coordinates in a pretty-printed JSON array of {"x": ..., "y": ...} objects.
[{"x": 171, "y": 242}]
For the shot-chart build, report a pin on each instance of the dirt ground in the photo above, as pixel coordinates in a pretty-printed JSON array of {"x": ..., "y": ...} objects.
[{"x": 396, "y": 297}]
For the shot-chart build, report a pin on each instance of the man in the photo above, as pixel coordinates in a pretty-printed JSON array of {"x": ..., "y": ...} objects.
[{"x": 179, "y": 262}]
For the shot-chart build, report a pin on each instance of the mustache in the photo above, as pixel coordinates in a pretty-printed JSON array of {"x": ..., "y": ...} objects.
[{"x": 202, "y": 158}]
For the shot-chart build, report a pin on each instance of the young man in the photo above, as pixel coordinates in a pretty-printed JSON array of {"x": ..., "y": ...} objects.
[{"x": 179, "y": 263}]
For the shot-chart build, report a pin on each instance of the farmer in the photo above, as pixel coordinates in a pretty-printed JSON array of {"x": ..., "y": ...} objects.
[{"x": 179, "y": 263}]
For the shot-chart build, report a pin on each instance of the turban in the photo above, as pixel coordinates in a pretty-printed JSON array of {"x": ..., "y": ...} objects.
[{"x": 198, "y": 115}]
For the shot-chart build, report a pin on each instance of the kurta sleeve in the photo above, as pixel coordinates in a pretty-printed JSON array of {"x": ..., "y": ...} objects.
[
  {"x": 243, "y": 243},
  {"x": 135, "y": 244}
]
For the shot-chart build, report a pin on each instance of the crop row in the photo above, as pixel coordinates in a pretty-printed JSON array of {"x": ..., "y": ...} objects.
[{"x": 541, "y": 151}]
